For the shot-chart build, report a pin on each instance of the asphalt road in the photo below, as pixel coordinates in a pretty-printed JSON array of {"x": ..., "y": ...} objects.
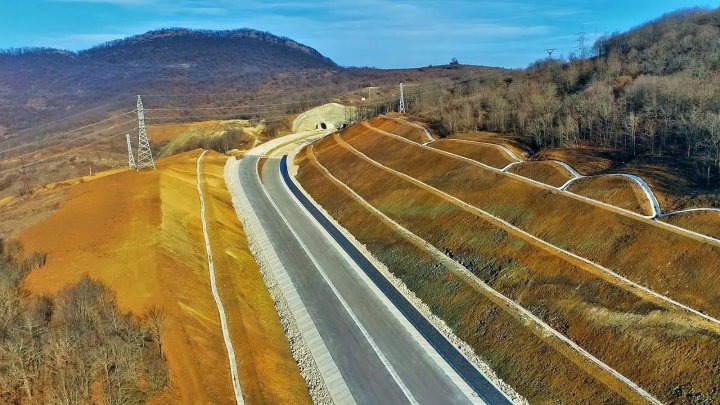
[{"x": 406, "y": 370}]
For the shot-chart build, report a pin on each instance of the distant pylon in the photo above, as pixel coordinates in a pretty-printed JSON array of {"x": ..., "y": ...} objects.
[
  {"x": 401, "y": 110},
  {"x": 131, "y": 158},
  {"x": 145, "y": 158}
]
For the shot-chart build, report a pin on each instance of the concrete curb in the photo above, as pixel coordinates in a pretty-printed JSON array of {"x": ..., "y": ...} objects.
[
  {"x": 295, "y": 319},
  {"x": 410, "y": 296}
]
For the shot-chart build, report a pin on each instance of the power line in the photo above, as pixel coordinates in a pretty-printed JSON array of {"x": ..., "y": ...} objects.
[
  {"x": 67, "y": 141},
  {"x": 64, "y": 153},
  {"x": 22, "y": 131},
  {"x": 64, "y": 133}
]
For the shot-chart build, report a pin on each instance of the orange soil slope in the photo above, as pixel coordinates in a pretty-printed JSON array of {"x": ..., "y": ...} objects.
[
  {"x": 584, "y": 307},
  {"x": 488, "y": 154},
  {"x": 618, "y": 191},
  {"x": 545, "y": 171},
  {"x": 671, "y": 263},
  {"x": 410, "y": 132},
  {"x": 140, "y": 234},
  {"x": 704, "y": 222}
]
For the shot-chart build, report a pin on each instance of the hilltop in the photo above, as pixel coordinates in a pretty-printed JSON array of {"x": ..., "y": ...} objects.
[{"x": 54, "y": 83}]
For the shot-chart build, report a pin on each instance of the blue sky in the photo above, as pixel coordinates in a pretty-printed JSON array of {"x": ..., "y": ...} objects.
[{"x": 387, "y": 34}]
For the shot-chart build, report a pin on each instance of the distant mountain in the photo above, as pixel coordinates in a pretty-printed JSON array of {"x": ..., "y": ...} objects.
[{"x": 49, "y": 82}]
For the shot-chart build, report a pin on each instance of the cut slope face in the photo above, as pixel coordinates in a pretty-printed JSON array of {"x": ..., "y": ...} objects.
[
  {"x": 643, "y": 338},
  {"x": 140, "y": 234},
  {"x": 482, "y": 152},
  {"x": 704, "y": 222},
  {"x": 410, "y": 132},
  {"x": 548, "y": 172},
  {"x": 331, "y": 115},
  {"x": 614, "y": 190}
]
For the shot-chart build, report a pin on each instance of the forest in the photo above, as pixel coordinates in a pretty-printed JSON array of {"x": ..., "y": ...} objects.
[{"x": 652, "y": 91}]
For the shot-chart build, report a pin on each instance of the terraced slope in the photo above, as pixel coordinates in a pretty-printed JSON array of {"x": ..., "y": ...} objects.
[
  {"x": 395, "y": 126},
  {"x": 459, "y": 208},
  {"x": 482, "y": 152},
  {"x": 618, "y": 191},
  {"x": 704, "y": 222},
  {"x": 641, "y": 250},
  {"x": 544, "y": 171}
]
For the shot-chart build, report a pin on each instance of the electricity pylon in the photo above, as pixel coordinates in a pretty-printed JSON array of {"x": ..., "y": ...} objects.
[
  {"x": 401, "y": 110},
  {"x": 131, "y": 158},
  {"x": 145, "y": 158}
]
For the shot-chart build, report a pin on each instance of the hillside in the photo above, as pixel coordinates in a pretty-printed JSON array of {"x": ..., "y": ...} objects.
[
  {"x": 150, "y": 254},
  {"x": 646, "y": 101},
  {"x": 597, "y": 295},
  {"x": 56, "y": 83}
]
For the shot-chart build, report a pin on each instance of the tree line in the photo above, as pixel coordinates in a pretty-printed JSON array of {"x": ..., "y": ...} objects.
[{"x": 653, "y": 91}]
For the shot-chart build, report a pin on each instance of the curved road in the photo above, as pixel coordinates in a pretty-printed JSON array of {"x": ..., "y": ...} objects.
[{"x": 380, "y": 360}]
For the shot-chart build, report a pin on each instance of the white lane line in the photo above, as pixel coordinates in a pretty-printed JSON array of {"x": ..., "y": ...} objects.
[
  {"x": 216, "y": 295},
  {"x": 412, "y": 331},
  {"x": 622, "y": 280},
  {"x": 419, "y": 338},
  {"x": 484, "y": 286},
  {"x": 365, "y": 333}
]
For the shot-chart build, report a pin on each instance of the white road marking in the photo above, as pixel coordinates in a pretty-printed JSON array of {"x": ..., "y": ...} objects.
[{"x": 365, "y": 333}]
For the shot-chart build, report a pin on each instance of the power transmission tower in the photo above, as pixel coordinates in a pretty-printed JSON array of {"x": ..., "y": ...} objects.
[
  {"x": 24, "y": 175},
  {"x": 401, "y": 110},
  {"x": 145, "y": 158},
  {"x": 582, "y": 38},
  {"x": 550, "y": 52},
  {"x": 131, "y": 158}
]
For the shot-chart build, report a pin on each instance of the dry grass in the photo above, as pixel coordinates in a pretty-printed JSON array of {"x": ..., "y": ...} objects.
[
  {"x": 588, "y": 309},
  {"x": 147, "y": 246},
  {"x": 514, "y": 143},
  {"x": 618, "y": 191},
  {"x": 521, "y": 358},
  {"x": 487, "y": 154},
  {"x": 670, "y": 263},
  {"x": 544, "y": 171},
  {"x": 704, "y": 222},
  {"x": 584, "y": 159},
  {"x": 410, "y": 132}
]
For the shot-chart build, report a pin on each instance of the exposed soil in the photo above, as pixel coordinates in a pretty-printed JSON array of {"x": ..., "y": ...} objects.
[
  {"x": 618, "y": 191},
  {"x": 544, "y": 171},
  {"x": 140, "y": 234}
]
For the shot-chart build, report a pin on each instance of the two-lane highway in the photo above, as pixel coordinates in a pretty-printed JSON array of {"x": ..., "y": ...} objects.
[{"x": 381, "y": 359}]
